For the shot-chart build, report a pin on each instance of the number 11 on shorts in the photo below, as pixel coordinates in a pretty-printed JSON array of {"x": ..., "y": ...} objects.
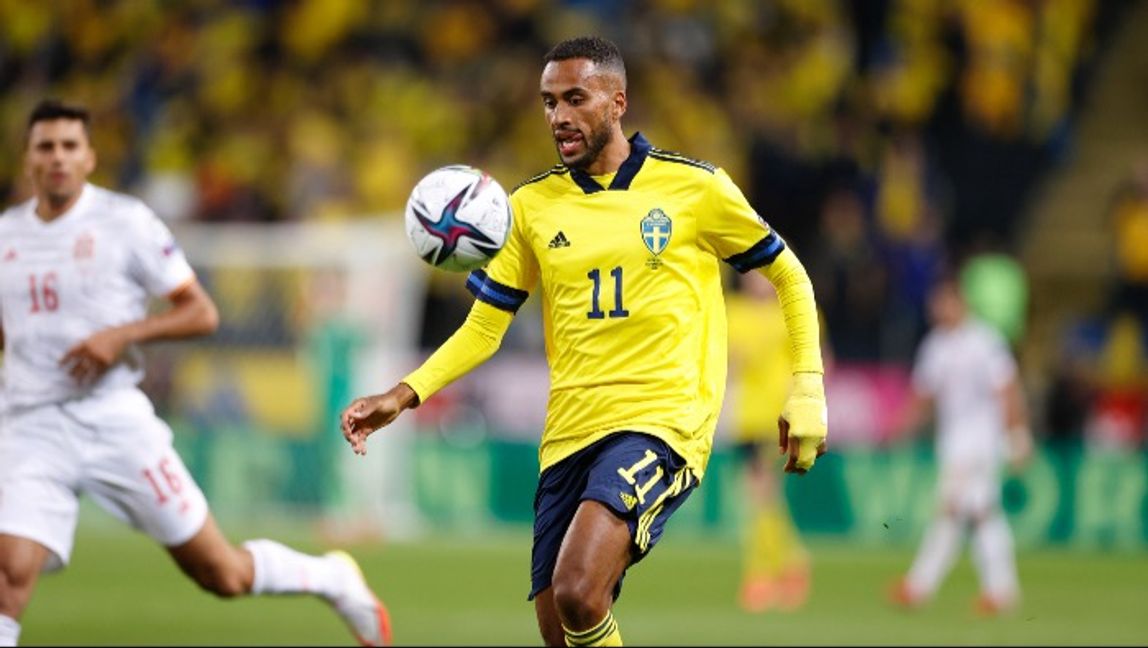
[{"x": 629, "y": 474}]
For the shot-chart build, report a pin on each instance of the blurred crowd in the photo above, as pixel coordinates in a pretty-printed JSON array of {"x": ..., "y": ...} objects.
[
  {"x": 887, "y": 140},
  {"x": 1100, "y": 381}
]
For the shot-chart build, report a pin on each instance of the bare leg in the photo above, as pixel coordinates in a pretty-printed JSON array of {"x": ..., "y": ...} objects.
[
  {"x": 267, "y": 567},
  {"x": 594, "y": 554},
  {"x": 549, "y": 624},
  {"x": 21, "y": 561},
  {"x": 214, "y": 563}
]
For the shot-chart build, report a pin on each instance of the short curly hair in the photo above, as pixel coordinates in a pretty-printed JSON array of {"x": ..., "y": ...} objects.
[{"x": 602, "y": 52}]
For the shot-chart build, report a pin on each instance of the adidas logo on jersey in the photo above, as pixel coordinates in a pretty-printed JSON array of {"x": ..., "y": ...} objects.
[
  {"x": 629, "y": 500},
  {"x": 559, "y": 241}
]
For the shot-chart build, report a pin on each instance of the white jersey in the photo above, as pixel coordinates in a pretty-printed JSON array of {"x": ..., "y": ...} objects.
[
  {"x": 964, "y": 370},
  {"x": 94, "y": 267}
]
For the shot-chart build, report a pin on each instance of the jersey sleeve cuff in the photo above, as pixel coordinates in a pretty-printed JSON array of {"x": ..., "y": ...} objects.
[{"x": 420, "y": 389}]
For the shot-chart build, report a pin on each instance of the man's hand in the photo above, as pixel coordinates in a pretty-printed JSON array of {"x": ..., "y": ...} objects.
[
  {"x": 365, "y": 415},
  {"x": 89, "y": 359},
  {"x": 803, "y": 423},
  {"x": 1019, "y": 447}
]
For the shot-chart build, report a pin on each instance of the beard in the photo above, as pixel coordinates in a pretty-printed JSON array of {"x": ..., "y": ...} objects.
[
  {"x": 58, "y": 197},
  {"x": 595, "y": 140}
]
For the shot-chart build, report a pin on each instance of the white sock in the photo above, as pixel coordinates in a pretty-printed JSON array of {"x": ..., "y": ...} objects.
[
  {"x": 938, "y": 552},
  {"x": 282, "y": 570},
  {"x": 994, "y": 559},
  {"x": 9, "y": 631}
]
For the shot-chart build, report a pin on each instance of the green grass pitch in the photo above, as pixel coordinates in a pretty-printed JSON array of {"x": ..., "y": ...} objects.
[{"x": 123, "y": 590}]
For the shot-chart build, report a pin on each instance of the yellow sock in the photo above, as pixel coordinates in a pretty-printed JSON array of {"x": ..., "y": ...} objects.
[
  {"x": 604, "y": 634},
  {"x": 791, "y": 552},
  {"x": 763, "y": 553},
  {"x": 773, "y": 545}
]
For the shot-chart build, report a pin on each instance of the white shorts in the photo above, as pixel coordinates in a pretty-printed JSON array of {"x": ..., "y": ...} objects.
[
  {"x": 110, "y": 446},
  {"x": 970, "y": 487}
]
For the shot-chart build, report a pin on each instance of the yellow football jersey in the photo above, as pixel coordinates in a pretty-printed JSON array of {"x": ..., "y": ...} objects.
[{"x": 628, "y": 268}]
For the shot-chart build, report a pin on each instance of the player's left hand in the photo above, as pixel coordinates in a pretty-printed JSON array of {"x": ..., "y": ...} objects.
[
  {"x": 89, "y": 359},
  {"x": 804, "y": 423}
]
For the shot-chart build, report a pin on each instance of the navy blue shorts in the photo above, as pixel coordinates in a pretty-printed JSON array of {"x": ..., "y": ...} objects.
[{"x": 637, "y": 476}]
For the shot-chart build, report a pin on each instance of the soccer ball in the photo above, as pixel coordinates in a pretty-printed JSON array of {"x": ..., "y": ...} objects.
[{"x": 458, "y": 218}]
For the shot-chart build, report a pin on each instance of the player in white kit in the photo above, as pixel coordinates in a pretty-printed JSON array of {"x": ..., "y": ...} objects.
[
  {"x": 965, "y": 371},
  {"x": 78, "y": 265}
]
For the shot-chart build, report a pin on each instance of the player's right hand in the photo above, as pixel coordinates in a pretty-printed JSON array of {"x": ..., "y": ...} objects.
[
  {"x": 369, "y": 413},
  {"x": 1019, "y": 448},
  {"x": 87, "y": 360}
]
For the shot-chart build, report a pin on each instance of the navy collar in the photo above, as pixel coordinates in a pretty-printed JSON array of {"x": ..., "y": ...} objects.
[{"x": 639, "y": 148}]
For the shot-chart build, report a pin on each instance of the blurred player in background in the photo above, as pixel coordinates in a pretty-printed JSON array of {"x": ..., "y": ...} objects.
[
  {"x": 965, "y": 370},
  {"x": 624, "y": 242},
  {"x": 78, "y": 264},
  {"x": 775, "y": 564}
]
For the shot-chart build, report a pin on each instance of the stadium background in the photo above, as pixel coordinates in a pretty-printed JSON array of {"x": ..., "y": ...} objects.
[{"x": 885, "y": 139}]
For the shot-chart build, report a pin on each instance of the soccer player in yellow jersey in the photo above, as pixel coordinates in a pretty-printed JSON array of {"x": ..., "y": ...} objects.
[
  {"x": 775, "y": 564},
  {"x": 623, "y": 241}
]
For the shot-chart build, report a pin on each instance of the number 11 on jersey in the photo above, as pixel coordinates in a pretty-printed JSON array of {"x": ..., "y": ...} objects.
[{"x": 596, "y": 312}]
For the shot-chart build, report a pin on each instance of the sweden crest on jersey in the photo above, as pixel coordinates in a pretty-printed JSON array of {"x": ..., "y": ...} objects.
[{"x": 656, "y": 230}]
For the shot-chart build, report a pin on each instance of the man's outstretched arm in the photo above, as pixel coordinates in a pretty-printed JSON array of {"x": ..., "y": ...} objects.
[{"x": 472, "y": 344}]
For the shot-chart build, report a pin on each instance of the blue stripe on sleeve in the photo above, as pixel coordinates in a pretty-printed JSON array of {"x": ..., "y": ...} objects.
[
  {"x": 489, "y": 291},
  {"x": 474, "y": 282},
  {"x": 761, "y": 254}
]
